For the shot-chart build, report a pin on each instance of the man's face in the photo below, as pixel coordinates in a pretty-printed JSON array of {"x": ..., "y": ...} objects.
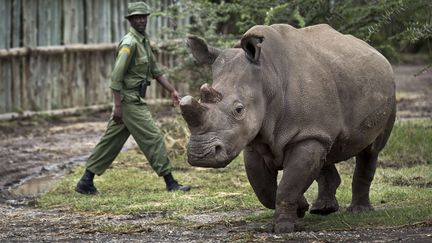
[{"x": 138, "y": 22}]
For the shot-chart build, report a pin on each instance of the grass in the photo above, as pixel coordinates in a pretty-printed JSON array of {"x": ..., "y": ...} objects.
[
  {"x": 410, "y": 143},
  {"x": 401, "y": 191},
  {"x": 131, "y": 187}
]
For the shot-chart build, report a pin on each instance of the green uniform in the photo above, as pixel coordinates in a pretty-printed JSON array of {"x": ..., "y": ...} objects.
[{"x": 134, "y": 62}]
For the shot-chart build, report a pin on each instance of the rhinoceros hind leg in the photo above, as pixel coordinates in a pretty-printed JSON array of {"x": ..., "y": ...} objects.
[
  {"x": 365, "y": 169},
  {"x": 363, "y": 176},
  {"x": 328, "y": 182},
  {"x": 262, "y": 179}
]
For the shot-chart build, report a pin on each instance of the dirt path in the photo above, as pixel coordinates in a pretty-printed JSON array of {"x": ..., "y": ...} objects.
[
  {"x": 35, "y": 225},
  {"x": 41, "y": 150}
]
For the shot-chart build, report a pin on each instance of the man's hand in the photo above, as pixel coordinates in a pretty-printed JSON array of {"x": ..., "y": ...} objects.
[
  {"x": 175, "y": 97},
  {"x": 167, "y": 85},
  {"x": 117, "y": 114}
]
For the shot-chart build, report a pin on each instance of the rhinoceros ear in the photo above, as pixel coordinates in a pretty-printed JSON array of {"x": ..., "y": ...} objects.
[
  {"x": 203, "y": 53},
  {"x": 251, "y": 44}
]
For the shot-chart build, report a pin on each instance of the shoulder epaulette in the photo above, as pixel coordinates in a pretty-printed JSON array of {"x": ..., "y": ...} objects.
[{"x": 128, "y": 39}]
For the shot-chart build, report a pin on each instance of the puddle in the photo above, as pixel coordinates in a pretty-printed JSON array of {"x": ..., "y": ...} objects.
[
  {"x": 35, "y": 186},
  {"x": 52, "y": 173}
]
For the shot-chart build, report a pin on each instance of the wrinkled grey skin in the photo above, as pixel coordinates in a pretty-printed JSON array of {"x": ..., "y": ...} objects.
[{"x": 296, "y": 100}]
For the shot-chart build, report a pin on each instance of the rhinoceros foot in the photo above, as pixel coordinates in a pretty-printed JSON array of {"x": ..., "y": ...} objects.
[
  {"x": 359, "y": 208},
  {"x": 267, "y": 228},
  {"x": 288, "y": 227},
  {"x": 324, "y": 206}
]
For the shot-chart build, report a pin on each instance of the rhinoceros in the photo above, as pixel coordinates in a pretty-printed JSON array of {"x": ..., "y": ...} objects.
[{"x": 297, "y": 101}]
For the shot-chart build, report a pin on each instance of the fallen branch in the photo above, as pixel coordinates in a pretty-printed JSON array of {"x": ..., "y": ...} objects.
[{"x": 423, "y": 70}]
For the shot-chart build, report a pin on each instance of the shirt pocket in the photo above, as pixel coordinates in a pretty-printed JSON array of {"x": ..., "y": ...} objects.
[
  {"x": 142, "y": 61},
  {"x": 142, "y": 66}
]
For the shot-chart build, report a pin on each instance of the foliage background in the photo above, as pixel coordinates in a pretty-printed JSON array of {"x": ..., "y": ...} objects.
[{"x": 399, "y": 29}]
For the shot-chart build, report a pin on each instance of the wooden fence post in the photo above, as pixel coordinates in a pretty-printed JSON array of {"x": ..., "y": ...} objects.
[
  {"x": 54, "y": 53},
  {"x": 73, "y": 18}
]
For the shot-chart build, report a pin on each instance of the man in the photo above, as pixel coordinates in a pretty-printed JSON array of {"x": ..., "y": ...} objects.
[{"x": 134, "y": 65}]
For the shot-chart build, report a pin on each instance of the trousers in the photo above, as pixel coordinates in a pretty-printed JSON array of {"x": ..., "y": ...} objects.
[{"x": 138, "y": 122}]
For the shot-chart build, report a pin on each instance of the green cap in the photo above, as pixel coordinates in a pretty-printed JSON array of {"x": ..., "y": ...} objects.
[{"x": 138, "y": 8}]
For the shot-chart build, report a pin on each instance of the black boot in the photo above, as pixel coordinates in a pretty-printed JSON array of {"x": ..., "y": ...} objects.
[
  {"x": 85, "y": 184},
  {"x": 172, "y": 185}
]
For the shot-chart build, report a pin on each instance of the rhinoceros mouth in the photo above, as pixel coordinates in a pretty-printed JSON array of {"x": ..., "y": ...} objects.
[{"x": 207, "y": 151}]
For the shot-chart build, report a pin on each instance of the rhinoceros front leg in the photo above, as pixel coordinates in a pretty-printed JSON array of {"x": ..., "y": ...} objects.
[
  {"x": 302, "y": 165},
  {"x": 328, "y": 182},
  {"x": 262, "y": 178}
]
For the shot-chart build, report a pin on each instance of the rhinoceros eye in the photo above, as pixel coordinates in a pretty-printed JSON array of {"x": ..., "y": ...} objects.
[{"x": 239, "y": 109}]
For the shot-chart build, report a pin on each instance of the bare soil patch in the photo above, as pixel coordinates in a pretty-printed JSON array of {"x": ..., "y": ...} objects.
[
  {"x": 35, "y": 225},
  {"x": 414, "y": 92},
  {"x": 44, "y": 149}
]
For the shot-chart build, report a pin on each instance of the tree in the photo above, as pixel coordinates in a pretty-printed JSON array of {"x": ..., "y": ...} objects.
[{"x": 394, "y": 27}]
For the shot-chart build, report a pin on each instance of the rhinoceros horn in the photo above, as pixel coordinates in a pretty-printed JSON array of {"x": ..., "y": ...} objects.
[
  {"x": 209, "y": 95},
  {"x": 192, "y": 111},
  {"x": 251, "y": 44}
]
